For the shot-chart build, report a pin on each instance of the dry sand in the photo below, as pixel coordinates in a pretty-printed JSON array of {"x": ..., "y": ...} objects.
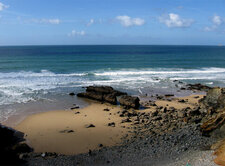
[{"x": 45, "y": 131}]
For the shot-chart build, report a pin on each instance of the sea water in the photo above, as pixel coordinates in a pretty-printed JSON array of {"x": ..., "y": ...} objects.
[{"x": 48, "y": 73}]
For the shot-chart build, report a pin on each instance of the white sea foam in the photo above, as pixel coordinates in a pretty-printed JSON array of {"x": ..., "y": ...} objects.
[
  {"x": 171, "y": 71},
  {"x": 25, "y": 86}
]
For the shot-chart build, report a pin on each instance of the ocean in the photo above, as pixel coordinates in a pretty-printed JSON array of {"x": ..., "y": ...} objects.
[{"x": 46, "y": 74}]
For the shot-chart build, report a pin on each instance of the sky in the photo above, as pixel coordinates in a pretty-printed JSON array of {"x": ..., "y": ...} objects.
[{"x": 84, "y": 22}]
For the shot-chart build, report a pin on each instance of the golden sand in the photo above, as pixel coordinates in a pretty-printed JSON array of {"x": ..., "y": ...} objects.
[
  {"x": 65, "y": 132},
  {"x": 45, "y": 132}
]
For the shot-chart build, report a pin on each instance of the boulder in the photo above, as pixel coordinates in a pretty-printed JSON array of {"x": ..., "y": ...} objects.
[
  {"x": 11, "y": 146},
  {"x": 101, "y": 93},
  {"x": 130, "y": 101}
]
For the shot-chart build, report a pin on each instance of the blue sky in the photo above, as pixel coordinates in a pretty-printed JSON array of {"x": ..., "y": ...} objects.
[{"x": 59, "y": 22}]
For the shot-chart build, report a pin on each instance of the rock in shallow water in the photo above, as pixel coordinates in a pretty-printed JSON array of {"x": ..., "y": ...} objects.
[{"x": 101, "y": 93}]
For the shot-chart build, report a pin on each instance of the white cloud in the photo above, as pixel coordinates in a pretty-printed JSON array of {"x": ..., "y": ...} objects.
[
  {"x": 76, "y": 33},
  {"x": 50, "y": 21},
  {"x": 208, "y": 29},
  {"x": 217, "y": 20},
  {"x": 127, "y": 21},
  {"x": 174, "y": 20},
  {"x": 47, "y": 21},
  {"x": 2, "y": 6},
  {"x": 92, "y": 21}
]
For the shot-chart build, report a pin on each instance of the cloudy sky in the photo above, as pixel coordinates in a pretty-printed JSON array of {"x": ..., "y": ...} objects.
[{"x": 59, "y": 22}]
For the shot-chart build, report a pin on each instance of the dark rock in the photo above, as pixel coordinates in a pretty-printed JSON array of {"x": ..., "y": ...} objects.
[
  {"x": 110, "y": 98},
  {"x": 100, "y": 145},
  {"x": 11, "y": 146},
  {"x": 76, "y": 107},
  {"x": 129, "y": 101},
  {"x": 181, "y": 101},
  {"x": 101, "y": 93},
  {"x": 154, "y": 113},
  {"x": 193, "y": 112},
  {"x": 72, "y": 94},
  {"x": 159, "y": 97},
  {"x": 126, "y": 120},
  {"x": 106, "y": 109},
  {"x": 89, "y": 126},
  {"x": 198, "y": 87},
  {"x": 21, "y": 147},
  {"x": 112, "y": 124},
  {"x": 104, "y": 90},
  {"x": 66, "y": 131},
  {"x": 169, "y": 95}
]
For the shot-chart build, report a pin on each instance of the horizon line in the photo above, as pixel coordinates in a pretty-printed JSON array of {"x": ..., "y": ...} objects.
[{"x": 219, "y": 45}]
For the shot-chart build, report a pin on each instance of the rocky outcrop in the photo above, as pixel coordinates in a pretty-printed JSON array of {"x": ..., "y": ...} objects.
[
  {"x": 213, "y": 123},
  {"x": 214, "y": 101},
  {"x": 101, "y": 93},
  {"x": 129, "y": 101},
  {"x": 11, "y": 146},
  {"x": 198, "y": 87},
  {"x": 214, "y": 104},
  {"x": 104, "y": 90}
]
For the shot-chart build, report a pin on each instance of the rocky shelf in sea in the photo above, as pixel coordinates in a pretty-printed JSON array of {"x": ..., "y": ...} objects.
[{"x": 109, "y": 95}]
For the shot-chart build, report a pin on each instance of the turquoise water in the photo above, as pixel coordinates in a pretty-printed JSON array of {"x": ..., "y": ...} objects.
[{"x": 33, "y": 73}]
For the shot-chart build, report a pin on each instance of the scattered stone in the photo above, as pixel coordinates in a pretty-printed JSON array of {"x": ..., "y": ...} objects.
[
  {"x": 112, "y": 124},
  {"x": 76, "y": 107},
  {"x": 154, "y": 113},
  {"x": 126, "y": 120},
  {"x": 89, "y": 126},
  {"x": 181, "y": 101},
  {"x": 72, "y": 94},
  {"x": 106, "y": 109},
  {"x": 66, "y": 131},
  {"x": 100, "y": 145},
  {"x": 169, "y": 95}
]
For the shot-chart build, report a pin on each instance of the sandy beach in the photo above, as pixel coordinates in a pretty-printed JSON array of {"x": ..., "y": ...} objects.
[{"x": 67, "y": 132}]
